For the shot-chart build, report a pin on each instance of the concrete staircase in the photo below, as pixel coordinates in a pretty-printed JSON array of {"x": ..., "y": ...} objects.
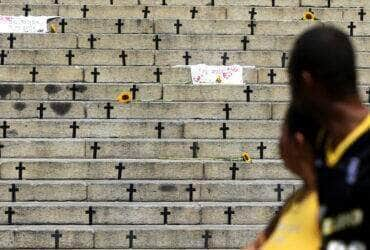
[{"x": 79, "y": 170}]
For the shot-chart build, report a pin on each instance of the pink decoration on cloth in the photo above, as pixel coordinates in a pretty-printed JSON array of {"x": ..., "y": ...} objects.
[{"x": 205, "y": 74}]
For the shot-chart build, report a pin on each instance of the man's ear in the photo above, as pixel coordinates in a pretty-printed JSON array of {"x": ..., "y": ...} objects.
[
  {"x": 308, "y": 80},
  {"x": 299, "y": 139}
]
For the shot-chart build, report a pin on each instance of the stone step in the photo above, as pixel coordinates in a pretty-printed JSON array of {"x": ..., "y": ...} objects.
[
  {"x": 282, "y": 3},
  {"x": 148, "y": 191},
  {"x": 184, "y": 12},
  {"x": 204, "y": 27},
  {"x": 131, "y": 129},
  {"x": 85, "y": 57},
  {"x": 100, "y": 148},
  {"x": 138, "y": 74},
  {"x": 167, "y": 42},
  {"x": 135, "y": 169},
  {"x": 135, "y": 110},
  {"x": 146, "y": 92},
  {"x": 128, "y": 213},
  {"x": 151, "y": 92},
  {"x": 133, "y": 236}
]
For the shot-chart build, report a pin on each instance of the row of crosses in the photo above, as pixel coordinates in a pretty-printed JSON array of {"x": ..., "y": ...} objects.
[
  {"x": 123, "y": 56},
  {"x": 10, "y": 212},
  {"x": 120, "y": 167},
  {"x": 193, "y": 10}
]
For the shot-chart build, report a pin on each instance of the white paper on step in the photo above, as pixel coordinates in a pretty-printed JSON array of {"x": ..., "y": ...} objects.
[
  {"x": 203, "y": 74},
  {"x": 22, "y": 24}
]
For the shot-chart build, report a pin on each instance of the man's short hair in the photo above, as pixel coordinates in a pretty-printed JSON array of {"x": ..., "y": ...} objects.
[{"x": 328, "y": 55}]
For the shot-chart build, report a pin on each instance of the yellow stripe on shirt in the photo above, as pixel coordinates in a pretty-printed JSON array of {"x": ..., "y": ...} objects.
[{"x": 333, "y": 156}]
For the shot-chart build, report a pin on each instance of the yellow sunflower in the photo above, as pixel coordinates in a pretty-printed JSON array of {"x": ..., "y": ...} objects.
[
  {"x": 124, "y": 97},
  {"x": 309, "y": 15},
  {"x": 246, "y": 158}
]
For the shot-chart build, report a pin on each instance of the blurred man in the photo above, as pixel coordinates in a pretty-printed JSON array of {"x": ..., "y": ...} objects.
[{"x": 323, "y": 84}]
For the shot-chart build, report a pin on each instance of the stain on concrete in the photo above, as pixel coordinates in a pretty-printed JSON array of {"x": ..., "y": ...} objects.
[
  {"x": 167, "y": 188},
  {"x": 61, "y": 108},
  {"x": 52, "y": 89},
  {"x": 5, "y": 89},
  {"x": 19, "y": 106}
]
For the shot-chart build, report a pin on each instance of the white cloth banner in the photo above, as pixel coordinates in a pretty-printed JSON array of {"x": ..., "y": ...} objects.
[
  {"x": 208, "y": 75},
  {"x": 22, "y": 24}
]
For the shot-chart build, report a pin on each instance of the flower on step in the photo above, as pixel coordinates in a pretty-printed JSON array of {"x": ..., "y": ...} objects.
[
  {"x": 309, "y": 15},
  {"x": 124, "y": 97},
  {"x": 246, "y": 158},
  {"x": 53, "y": 28},
  {"x": 218, "y": 79}
]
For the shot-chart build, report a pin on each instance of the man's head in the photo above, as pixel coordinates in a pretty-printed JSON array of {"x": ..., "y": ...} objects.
[{"x": 322, "y": 68}]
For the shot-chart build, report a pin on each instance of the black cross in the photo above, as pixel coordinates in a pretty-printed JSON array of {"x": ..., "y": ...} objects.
[
  {"x": 41, "y": 108},
  {"x": 159, "y": 128},
  {"x": 146, "y": 11},
  {"x": 34, "y": 73},
  {"x": 73, "y": 89},
  {"x": 248, "y": 91},
  {"x": 1, "y": 147},
  {"x": 245, "y": 41},
  {"x": 57, "y": 237},
  {"x": 186, "y": 57},
  {"x": 351, "y": 27},
  {"x": 227, "y": 109},
  {"x": 362, "y": 13},
  {"x": 193, "y": 11},
  {"x": 2, "y": 57},
  {"x": 70, "y": 55},
  {"x": 368, "y": 93},
  {"x": 74, "y": 128},
  {"x": 165, "y": 214},
  {"x": 261, "y": 148},
  {"x": 4, "y": 127},
  {"x": 11, "y": 38},
  {"x": 95, "y": 73},
  {"x": 108, "y": 107},
  {"x": 10, "y": 213},
  {"x": 157, "y": 40},
  {"x": 229, "y": 213},
  {"x": 131, "y": 191},
  {"x": 191, "y": 190},
  {"x": 26, "y": 9},
  {"x": 95, "y": 149},
  {"x": 120, "y": 167},
  {"x": 224, "y": 58},
  {"x": 206, "y": 238},
  {"x": 164, "y": 2},
  {"x": 133, "y": 90},
  {"x": 273, "y": 3},
  {"x": 158, "y": 73},
  {"x": 253, "y": 13},
  {"x": 195, "y": 149},
  {"x": 91, "y": 39},
  {"x": 20, "y": 169},
  {"x": 63, "y": 23},
  {"x": 123, "y": 55},
  {"x": 329, "y": 3},
  {"x": 131, "y": 237},
  {"x": 272, "y": 75},
  {"x": 252, "y": 25},
  {"x": 119, "y": 25},
  {"x": 84, "y": 10},
  {"x": 177, "y": 25},
  {"x": 224, "y": 130},
  {"x": 90, "y": 212},
  {"x": 278, "y": 190},
  {"x": 283, "y": 60},
  {"x": 212, "y": 3},
  {"x": 234, "y": 168},
  {"x": 14, "y": 190}
]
